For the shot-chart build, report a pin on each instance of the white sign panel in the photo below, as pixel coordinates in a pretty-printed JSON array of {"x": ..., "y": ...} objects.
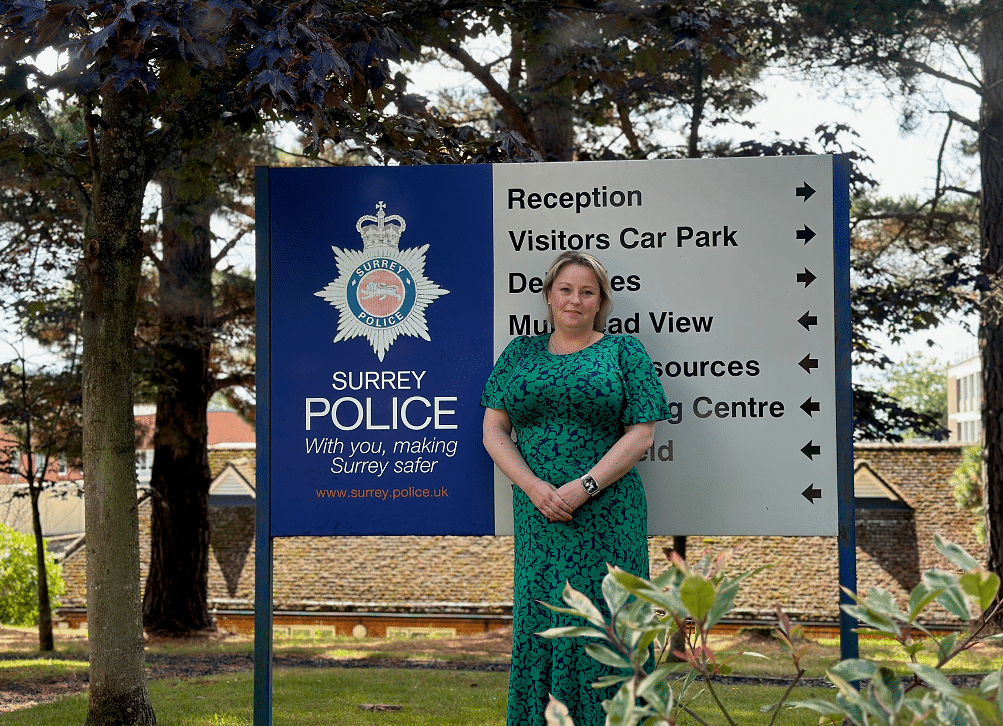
[{"x": 725, "y": 270}]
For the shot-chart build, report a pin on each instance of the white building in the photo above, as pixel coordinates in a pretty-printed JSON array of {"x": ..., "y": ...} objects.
[{"x": 964, "y": 401}]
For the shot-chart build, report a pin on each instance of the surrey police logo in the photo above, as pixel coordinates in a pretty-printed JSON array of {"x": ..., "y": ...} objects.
[{"x": 385, "y": 292}]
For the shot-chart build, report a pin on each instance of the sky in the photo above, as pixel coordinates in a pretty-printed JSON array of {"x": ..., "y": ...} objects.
[{"x": 904, "y": 164}]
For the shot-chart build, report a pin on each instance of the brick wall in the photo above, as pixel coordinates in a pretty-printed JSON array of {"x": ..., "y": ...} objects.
[{"x": 474, "y": 574}]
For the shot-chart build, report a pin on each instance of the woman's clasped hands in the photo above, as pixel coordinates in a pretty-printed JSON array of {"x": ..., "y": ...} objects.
[{"x": 557, "y": 504}]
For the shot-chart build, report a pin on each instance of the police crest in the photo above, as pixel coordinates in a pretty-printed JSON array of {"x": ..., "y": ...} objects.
[{"x": 381, "y": 291}]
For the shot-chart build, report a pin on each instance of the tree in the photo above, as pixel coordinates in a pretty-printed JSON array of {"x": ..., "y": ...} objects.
[
  {"x": 909, "y": 45},
  {"x": 584, "y": 80},
  {"x": 918, "y": 383},
  {"x": 186, "y": 321},
  {"x": 149, "y": 77},
  {"x": 38, "y": 414}
]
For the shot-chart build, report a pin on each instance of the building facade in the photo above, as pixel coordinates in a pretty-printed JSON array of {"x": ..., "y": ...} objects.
[{"x": 964, "y": 401}]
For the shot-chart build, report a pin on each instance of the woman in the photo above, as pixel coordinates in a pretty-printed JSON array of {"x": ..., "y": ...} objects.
[{"x": 583, "y": 405}]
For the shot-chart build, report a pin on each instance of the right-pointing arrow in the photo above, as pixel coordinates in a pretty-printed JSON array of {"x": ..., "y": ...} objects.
[
  {"x": 805, "y": 191},
  {"x": 811, "y": 493},
  {"x": 810, "y": 406},
  {"x": 806, "y": 277},
  {"x": 808, "y": 363},
  {"x": 810, "y": 450}
]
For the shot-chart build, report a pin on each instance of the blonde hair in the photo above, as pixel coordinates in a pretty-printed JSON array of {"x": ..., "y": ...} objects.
[{"x": 585, "y": 260}]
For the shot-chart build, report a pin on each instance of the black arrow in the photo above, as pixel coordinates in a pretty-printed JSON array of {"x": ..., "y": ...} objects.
[
  {"x": 808, "y": 363},
  {"x": 805, "y": 191},
  {"x": 811, "y": 450},
  {"x": 810, "y": 406},
  {"x": 806, "y": 277},
  {"x": 806, "y": 234},
  {"x": 811, "y": 493},
  {"x": 807, "y": 320}
]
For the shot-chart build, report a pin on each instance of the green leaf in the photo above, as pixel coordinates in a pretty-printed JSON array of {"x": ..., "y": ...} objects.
[
  {"x": 572, "y": 632},
  {"x": 854, "y": 669},
  {"x": 606, "y": 656},
  {"x": 888, "y": 687},
  {"x": 583, "y": 606},
  {"x": 616, "y": 595},
  {"x": 607, "y": 681},
  {"x": 986, "y": 712},
  {"x": 921, "y": 596},
  {"x": 992, "y": 684},
  {"x": 934, "y": 679},
  {"x": 557, "y": 714},
  {"x": 867, "y": 616},
  {"x": 955, "y": 554},
  {"x": 698, "y": 596},
  {"x": 825, "y": 708},
  {"x": 947, "y": 582},
  {"x": 883, "y": 602},
  {"x": 982, "y": 586}
]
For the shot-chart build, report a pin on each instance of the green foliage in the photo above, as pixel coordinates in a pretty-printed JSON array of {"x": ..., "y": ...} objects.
[
  {"x": 919, "y": 383},
  {"x": 692, "y": 599},
  {"x": 19, "y": 578},
  {"x": 966, "y": 482}
]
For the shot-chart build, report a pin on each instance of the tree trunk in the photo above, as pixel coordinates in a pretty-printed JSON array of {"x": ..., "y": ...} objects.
[
  {"x": 991, "y": 321},
  {"x": 175, "y": 601},
  {"x": 550, "y": 107},
  {"x": 109, "y": 277},
  {"x": 677, "y": 643},
  {"x": 45, "y": 641}
]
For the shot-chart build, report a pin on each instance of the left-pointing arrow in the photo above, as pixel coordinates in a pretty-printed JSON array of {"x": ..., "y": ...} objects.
[
  {"x": 810, "y": 450},
  {"x": 807, "y": 320},
  {"x": 805, "y": 191},
  {"x": 808, "y": 363},
  {"x": 812, "y": 493},
  {"x": 810, "y": 406},
  {"x": 806, "y": 234}
]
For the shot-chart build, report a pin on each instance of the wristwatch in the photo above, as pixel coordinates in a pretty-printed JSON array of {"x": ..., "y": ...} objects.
[{"x": 590, "y": 485}]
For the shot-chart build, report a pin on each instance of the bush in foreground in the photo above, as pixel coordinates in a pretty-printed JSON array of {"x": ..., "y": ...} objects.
[{"x": 653, "y": 691}]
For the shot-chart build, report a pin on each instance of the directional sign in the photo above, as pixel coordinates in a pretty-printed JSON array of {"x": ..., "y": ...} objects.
[
  {"x": 389, "y": 292},
  {"x": 728, "y": 271}
]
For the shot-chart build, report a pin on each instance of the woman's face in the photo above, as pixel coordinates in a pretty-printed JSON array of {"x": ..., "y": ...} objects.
[{"x": 574, "y": 299}]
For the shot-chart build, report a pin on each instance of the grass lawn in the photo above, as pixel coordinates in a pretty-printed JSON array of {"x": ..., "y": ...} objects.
[
  {"x": 342, "y": 697},
  {"x": 328, "y": 696}
]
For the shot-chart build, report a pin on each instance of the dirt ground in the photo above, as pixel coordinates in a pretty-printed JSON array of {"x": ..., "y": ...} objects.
[{"x": 487, "y": 651}]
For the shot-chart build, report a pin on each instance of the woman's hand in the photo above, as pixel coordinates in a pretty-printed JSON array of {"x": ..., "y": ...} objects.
[
  {"x": 573, "y": 493},
  {"x": 547, "y": 499}
]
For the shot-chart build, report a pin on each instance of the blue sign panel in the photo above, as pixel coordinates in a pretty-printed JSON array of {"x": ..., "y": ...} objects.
[{"x": 381, "y": 340}]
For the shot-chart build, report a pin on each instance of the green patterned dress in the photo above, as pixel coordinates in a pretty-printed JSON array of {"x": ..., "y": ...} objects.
[{"x": 567, "y": 411}]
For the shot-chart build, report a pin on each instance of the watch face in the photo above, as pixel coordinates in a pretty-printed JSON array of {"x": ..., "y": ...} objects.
[{"x": 590, "y": 484}]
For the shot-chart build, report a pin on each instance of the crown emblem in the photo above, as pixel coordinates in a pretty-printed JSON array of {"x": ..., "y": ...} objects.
[
  {"x": 381, "y": 291},
  {"x": 380, "y": 233}
]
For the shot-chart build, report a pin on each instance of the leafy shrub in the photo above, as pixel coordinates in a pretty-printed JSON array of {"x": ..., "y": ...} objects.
[
  {"x": 966, "y": 482},
  {"x": 19, "y": 578},
  {"x": 692, "y": 599}
]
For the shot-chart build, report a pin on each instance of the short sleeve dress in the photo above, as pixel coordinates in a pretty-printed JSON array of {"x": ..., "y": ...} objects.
[{"x": 568, "y": 411}]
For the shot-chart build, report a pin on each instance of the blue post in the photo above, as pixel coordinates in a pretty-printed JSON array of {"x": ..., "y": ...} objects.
[
  {"x": 847, "y": 532},
  {"x": 263, "y": 508}
]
